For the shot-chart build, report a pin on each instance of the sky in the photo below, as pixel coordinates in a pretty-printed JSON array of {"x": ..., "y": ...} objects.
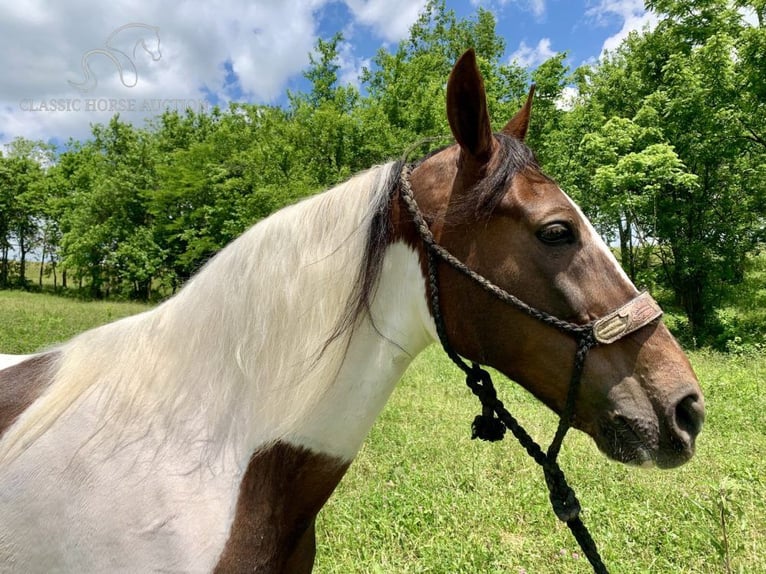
[{"x": 66, "y": 65}]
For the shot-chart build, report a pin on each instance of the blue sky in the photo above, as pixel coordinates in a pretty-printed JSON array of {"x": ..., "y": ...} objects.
[
  {"x": 565, "y": 23},
  {"x": 147, "y": 56},
  {"x": 532, "y": 29}
]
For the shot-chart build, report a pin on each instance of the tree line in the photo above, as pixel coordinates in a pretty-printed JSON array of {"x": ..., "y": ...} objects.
[{"x": 662, "y": 142}]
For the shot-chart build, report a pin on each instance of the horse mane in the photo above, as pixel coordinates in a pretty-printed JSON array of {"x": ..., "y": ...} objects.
[
  {"x": 258, "y": 334},
  {"x": 513, "y": 157},
  {"x": 379, "y": 236}
]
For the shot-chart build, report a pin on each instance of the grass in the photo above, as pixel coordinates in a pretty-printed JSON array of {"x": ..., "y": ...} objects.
[
  {"x": 422, "y": 497},
  {"x": 29, "y": 321}
]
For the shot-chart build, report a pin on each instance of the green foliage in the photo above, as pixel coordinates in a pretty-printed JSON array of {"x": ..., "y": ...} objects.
[
  {"x": 742, "y": 315},
  {"x": 676, "y": 165},
  {"x": 22, "y": 204},
  {"x": 323, "y": 71},
  {"x": 104, "y": 235}
]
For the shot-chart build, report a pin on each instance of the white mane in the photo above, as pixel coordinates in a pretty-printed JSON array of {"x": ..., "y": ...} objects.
[{"x": 239, "y": 343}]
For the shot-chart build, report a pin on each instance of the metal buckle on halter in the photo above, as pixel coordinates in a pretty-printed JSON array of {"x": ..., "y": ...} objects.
[{"x": 635, "y": 314}]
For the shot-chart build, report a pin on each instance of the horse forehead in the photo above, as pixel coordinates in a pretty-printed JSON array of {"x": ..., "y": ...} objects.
[
  {"x": 599, "y": 246},
  {"x": 533, "y": 197}
]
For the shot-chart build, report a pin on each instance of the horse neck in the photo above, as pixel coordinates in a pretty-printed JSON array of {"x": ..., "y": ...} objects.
[
  {"x": 265, "y": 338},
  {"x": 237, "y": 360},
  {"x": 240, "y": 351},
  {"x": 384, "y": 342}
]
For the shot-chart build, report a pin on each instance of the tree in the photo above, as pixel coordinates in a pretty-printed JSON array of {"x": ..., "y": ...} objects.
[
  {"x": 104, "y": 226},
  {"x": 614, "y": 151},
  {"x": 692, "y": 83},
  {"x": 407, "y": 86},
  {"x": 323, "y": 70},
  {"x": 22, "y": 201}
]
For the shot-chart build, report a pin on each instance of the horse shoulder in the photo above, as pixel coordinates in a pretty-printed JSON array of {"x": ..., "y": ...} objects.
[
  {"x": 282, "y": 490},
  {"x": 21, "y": 383}
]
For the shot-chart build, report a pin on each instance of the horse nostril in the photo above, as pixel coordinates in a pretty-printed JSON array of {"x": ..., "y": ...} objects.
[{"x": 690, "y": 414}]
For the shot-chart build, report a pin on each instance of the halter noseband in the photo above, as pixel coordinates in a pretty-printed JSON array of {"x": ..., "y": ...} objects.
[{"x": 495, "y": 419}]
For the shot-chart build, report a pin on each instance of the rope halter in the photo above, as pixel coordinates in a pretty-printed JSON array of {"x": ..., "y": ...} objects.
[{"x": 495, "y": 419}]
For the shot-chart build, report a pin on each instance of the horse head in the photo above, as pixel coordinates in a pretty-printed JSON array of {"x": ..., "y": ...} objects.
[
  {"x": 488, "y": 203},
  {"x": 152, "y": 47}
]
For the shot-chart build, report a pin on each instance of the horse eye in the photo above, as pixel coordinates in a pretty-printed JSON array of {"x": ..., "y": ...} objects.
[{"x": 556, "y": 234}]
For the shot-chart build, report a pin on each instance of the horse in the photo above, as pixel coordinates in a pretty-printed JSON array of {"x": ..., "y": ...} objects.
[{"x": 207, "y": 433}]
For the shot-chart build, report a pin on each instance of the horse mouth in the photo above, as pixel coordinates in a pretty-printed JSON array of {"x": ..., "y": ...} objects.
[{"x": 630, "y": 441}]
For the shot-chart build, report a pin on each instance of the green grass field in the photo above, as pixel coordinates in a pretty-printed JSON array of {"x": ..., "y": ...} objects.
[
  {"x": 423, "y": 497},
  {"x": 29, "y": 322}
]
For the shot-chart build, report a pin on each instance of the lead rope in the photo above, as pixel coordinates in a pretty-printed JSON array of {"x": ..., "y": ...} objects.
[{"x": 495, "y": 418}]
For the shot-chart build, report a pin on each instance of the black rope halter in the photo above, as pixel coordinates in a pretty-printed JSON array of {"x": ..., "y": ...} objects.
[{"x": 495, "y": 419}]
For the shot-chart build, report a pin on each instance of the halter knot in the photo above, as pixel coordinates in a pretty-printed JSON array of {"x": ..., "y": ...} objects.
[{"x": 485, "y": 426}]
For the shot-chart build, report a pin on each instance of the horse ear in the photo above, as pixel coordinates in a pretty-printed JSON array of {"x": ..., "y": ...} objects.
[
  {"x": 519, "y": 123},
  {"x": 467, "y": 108}
]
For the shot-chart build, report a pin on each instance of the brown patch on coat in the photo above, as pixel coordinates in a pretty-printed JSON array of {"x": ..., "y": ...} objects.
[
  {"x": 21, "y": 385},
  {"x": 283, "y": 489}
]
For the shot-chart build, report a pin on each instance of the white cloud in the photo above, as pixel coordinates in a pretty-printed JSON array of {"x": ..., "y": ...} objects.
[
  {"x": 530, "y": 57},
  {"x": 390, "y": 19},
  {"x": 568, "y": 98},
  {"x": 43, "y": 46},
  {"x": 631, "y": 13},
  {"x": 350, "y": 65},
  {"x": 221, "y": 50},
  {"x": 537, "y": 7}
]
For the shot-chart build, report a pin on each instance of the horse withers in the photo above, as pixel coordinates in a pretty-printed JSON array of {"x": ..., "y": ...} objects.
[{"x": 206, "y": 434}]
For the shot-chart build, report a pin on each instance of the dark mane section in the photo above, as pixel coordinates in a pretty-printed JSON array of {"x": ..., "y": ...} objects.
[
  {"x": 378, "y": 238},
  {"x": 513, "y": 157}
]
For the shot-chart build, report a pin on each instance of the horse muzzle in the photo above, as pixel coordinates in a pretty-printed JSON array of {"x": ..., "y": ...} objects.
[{"x": 665, "y": 441}]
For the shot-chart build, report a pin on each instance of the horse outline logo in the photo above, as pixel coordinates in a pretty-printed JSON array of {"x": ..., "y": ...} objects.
[{"x": 122, "y": 61}]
